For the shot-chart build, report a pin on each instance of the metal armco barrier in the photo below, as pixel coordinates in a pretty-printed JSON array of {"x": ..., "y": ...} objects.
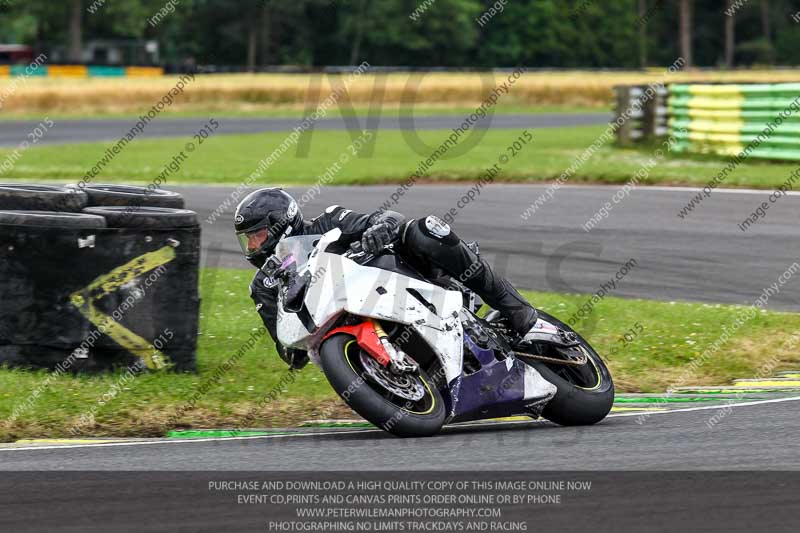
[
  {"x": 725, "y": 119},
  {"x": 98, "y": 298}
]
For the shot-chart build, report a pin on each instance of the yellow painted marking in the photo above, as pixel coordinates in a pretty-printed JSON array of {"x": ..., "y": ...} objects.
[
  {"x": 85, "y": 298},
  {"x": 68, "y": 71},
  {"x": 135, "y": 267},
  {"x": 144, "y": 71},
  {"x": 715, "y": 114},
  {"x": 509, "y": 419},
  {"x": 63, "y": 441},
  {"x": 722, "y": 104},
  {"x": 620, "y": 409},
  {"x": 717, "y": 126},
  {"x": 768, "y": 383},
  {"x": 725, "y": 138},
  {"x": 726, "y": 91}
]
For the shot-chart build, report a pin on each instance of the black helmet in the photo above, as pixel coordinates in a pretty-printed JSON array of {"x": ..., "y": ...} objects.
[{"x": 262, "y": 219}]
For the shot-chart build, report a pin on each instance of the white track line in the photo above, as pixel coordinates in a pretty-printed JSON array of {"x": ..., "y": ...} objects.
[
  {"x": 640, "y": 188},
  {"x": 545, "y": 184},
  {"x": 662, "y": 188},
  {"x": 720, "y": 405},
  {"x": 366, "y": 431},
  {"x": 176, "y": 441}
]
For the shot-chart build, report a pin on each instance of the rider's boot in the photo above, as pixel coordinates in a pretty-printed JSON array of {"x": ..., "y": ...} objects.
[
  {"x": 523, "y": 318},
  {"x": 502, "y": 296}
]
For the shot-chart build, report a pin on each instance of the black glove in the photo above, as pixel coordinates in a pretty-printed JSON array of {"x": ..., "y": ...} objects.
[
  {"x": 295, "y": 290},
  {"x": 271, "y": 266},
  {"x": 377, "y": 237}
]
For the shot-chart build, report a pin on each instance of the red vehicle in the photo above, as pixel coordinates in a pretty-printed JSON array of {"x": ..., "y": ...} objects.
[{"x": 14, "y": 54}]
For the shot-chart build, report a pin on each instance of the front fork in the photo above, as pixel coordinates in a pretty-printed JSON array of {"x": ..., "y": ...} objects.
[
  {"x": 372, "y": 338},
  {"x": 399, "y": 362}
]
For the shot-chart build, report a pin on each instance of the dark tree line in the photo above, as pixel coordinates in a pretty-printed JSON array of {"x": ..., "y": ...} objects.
[{"x": 543, "y": 33}]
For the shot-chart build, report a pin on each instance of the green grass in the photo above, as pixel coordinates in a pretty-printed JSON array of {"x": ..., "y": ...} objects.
[
  {"x": 229, "y": 159},
  {"x": 672, "y": 335}
]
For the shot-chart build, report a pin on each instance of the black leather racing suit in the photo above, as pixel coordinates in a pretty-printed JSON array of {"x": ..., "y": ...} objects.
[{"x": 426, "y": 243}]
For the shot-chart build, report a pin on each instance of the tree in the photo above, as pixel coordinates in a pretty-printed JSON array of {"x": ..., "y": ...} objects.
[
  {"x": 537, "y": 33},
  {"x": 685, "y": 16},
  {"x": 766, "y": 27},
  {"x": 642, "y": 20},
  {"x": 266, "y": 33},
  {"x": 355, "y": 50},
  {"x": 252, "y": 41},
  {"x": 74, "y": 41},
  {"x": 730, "y": 28}
]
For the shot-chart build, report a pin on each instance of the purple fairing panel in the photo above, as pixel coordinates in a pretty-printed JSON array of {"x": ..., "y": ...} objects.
[{"x": 497, "y": 389}]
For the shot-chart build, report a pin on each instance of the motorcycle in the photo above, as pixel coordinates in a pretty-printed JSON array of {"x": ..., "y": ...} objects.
[{"x": 410, "y": 354}]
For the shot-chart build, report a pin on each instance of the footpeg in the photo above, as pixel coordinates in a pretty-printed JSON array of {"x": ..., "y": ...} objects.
[{"x": 544, "y": 331}]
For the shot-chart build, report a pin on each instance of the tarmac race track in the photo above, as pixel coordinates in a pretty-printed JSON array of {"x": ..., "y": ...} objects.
[
  {"x": 755, "y": 435},
  {"x": 67, "y": 131}
]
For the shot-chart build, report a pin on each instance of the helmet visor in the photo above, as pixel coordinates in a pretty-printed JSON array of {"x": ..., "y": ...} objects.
[{"x": 252, "y": 241}]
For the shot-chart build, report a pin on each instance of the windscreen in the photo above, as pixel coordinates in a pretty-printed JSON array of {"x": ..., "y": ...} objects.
[{"x": 299, "y": 248}]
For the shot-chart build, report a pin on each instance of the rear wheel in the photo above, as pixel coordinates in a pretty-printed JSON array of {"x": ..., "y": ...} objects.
[
  {"x": 584, "y": 393},
  {"x": 407, "y": 405}
]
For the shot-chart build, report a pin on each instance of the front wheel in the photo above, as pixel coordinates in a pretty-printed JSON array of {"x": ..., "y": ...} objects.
[
  {"x": 584, "y": 393},
  {"x": 405, "y": 406}
]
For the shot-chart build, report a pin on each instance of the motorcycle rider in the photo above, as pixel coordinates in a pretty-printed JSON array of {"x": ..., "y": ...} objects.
[{"x": 267, "y": 215}]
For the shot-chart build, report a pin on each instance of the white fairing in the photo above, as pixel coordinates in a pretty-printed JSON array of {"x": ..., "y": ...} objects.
[
  {"x": 339, "y": 285},
  {"x": 536, "y": 387},
  {"x": 291, "y": 331},
  {"x": 376, "y": 293}
]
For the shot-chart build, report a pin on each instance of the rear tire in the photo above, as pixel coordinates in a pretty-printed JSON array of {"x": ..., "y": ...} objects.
[
  {"x": 576, "y": 404},
  {"x": 342, "y": 368}
]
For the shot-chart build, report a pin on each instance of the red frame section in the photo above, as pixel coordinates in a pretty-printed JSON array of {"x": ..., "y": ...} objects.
[{"x": 367, "y": 338}]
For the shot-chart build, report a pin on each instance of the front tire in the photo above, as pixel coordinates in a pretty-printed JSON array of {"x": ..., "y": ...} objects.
[{"x": 341, "y": 364}]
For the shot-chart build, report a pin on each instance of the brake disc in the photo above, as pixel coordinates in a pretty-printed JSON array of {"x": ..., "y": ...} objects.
[{"x": 407, "y": 386}]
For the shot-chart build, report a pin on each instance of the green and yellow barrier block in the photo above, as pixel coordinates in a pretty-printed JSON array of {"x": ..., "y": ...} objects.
[{"x": 762, "y": 120}]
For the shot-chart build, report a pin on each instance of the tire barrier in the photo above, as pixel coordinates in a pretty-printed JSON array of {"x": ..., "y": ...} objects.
[
  {"x": 52, "y": 219},
  {"x": 727, "y": 119},
  {"x": 131, "y": 196},
  {"x": 42, "y": 197},
  {"x": 144, "y": 217},
  {"x": 100, "y": 289}
]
